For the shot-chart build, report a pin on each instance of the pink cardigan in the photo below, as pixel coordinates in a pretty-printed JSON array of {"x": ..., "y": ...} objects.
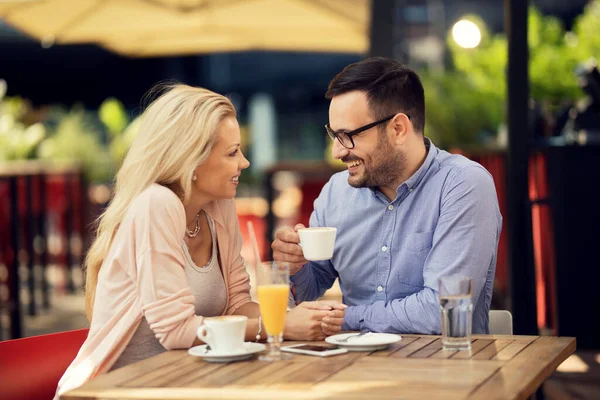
[{"x": 143, "y": 276}]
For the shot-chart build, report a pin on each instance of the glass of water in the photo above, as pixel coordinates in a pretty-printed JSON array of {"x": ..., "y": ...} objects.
[{"x": 456, "y": 293}]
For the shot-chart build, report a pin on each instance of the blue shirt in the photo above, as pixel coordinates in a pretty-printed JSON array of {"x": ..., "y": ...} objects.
[{"x": 389, "y": 256}]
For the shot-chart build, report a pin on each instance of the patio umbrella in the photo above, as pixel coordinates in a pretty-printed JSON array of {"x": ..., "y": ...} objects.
[{"x": 143, "y": 28}]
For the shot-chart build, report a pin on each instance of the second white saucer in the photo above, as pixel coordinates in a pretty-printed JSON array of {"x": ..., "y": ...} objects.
[
  {"x": 245, "y": 352},
  {"x": 369, "y": 342}
]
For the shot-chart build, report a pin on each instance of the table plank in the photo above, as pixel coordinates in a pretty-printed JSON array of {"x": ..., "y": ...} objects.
[
  {"x": 123, "y": 375},
  {"x": 513, "y": 349},
  {"x": 493, "y": 349},
  {"x": 270, "y": 374},
  {"x": 413, "y": 347},
  {"x": 500, "y": 337},
  {"x": 219, "y": 377},
  {"x": 203, "y": 369},
  {"x": 522, "y": 375},
  {"x": 411, "y": 377},
  {"x": 167, "y": 373},
  {"x": 441, "y": 354},
  {"x": 476, "y": 347},
  {"x": 317, "y": 371},
  {"x": 428, "y": 350},
  {"x": 228, "y": 393},
  {"x": 406, "y": 340}
]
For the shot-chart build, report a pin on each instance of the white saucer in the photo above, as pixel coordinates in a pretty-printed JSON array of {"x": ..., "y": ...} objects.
[
  {"x": 243, "y": 353},
  {"x": 368, "y": 342}
]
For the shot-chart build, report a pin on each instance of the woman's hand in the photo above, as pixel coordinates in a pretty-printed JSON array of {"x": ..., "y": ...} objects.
[{"x": 314, "y": 320}]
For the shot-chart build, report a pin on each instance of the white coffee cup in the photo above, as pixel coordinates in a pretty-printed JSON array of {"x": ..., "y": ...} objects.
[
  {"x": 224, "y": 334},
  {"x": 317, "y": 243}
]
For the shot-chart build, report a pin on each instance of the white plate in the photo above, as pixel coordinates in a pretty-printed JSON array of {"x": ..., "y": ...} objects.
[
  {"x": 245, "y": 352},
  {"x": 368, "y": 342}
]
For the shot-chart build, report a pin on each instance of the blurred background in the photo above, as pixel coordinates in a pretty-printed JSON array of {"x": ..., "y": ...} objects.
[{"x": 511, "y": 84}]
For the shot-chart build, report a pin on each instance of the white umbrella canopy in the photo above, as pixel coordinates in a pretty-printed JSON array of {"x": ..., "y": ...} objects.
[{"x": 144, "y": 28}]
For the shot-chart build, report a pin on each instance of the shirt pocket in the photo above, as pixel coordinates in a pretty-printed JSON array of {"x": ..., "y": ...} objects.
[
  {"x": 410, "y": 261},
  {"x": 406, "y": 282},
  {"x": 418, "y": 241}
]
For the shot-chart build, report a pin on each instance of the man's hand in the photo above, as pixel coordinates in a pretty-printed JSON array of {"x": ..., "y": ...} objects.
[
  {"x": 286, "y": 248},
  {"x": 314, "y": 320},
  {"x": 331, "y": 324}
]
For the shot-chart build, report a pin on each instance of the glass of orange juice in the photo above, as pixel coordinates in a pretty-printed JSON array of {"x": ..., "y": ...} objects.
[{"x": 273, "y": 289}]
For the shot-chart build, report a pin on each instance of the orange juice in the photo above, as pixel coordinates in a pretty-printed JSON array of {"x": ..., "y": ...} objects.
[{"x": 273, "y": 300}]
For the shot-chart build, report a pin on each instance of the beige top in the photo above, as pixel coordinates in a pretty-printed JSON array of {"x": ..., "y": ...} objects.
[
  {"x": 208, "y": 287},
  {"x": 143, "y": 276}
]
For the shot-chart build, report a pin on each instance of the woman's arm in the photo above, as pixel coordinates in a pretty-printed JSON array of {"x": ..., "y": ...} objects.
[
  {"x": 154, "y": 227},
  {"x": 252, "y": 311}
]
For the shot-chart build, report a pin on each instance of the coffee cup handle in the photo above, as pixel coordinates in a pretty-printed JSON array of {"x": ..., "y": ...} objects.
[{"x": 205, "y": 334}]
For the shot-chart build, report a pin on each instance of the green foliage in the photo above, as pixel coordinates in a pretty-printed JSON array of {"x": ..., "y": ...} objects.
[
  {"x": 67, "y": 135},
  {"x": 457, "y": 111},
  {"x": 483, "y": 65},
  {"x": 76, "y": 139},
  {"x": 121, "y": 142},
  {"x": 552, "y": 62},
  {"x": 113, "y": 115},
  {"x": 586, "y": 40},
  {"x": 17, "y": 140},
  {"x": 466, "y": 104}
]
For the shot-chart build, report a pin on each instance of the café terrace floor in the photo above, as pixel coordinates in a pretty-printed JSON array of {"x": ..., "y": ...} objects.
[{"x": 577, "y": 378}]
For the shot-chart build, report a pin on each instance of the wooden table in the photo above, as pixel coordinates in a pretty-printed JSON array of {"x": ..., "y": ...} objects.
[{"x": 498, "y": 367}]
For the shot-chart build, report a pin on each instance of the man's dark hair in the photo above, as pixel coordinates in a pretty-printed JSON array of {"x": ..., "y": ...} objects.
[{"x": 390, "y": 87}]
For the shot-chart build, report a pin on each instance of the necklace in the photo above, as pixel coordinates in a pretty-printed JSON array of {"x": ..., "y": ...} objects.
[{"x": 194, "y": 233}]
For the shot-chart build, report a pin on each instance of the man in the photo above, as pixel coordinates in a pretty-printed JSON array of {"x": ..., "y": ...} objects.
[{"x": 406, "y": 212}]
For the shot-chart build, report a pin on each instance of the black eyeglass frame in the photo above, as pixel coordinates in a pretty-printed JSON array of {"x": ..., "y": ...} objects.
[{"x": 336, "y": 135}]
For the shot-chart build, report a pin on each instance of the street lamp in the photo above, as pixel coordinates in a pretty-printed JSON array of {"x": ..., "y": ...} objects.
[{"x": 466, "y": 34}]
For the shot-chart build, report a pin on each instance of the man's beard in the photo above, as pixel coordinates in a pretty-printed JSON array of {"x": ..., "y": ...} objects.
[{"x": 385, "y": 168}]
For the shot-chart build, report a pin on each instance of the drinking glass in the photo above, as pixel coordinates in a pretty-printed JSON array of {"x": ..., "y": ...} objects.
[
  {"x": 273, "y": 289},
  {"x": 456, "y": 306}
]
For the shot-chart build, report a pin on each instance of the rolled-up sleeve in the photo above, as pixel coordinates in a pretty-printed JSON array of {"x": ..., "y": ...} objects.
[{"x": 167, "y": 301}]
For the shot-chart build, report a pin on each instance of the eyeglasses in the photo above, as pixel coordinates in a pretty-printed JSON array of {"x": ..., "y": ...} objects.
[{"x": 345, "y": 138}]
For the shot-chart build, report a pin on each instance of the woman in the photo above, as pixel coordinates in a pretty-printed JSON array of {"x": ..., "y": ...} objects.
[{"x": 167, "y": 251}]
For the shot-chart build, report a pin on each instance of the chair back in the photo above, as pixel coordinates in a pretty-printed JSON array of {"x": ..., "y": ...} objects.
[
  {"x": 31, "y": 367},
  {"x": 501, "y": 322}
]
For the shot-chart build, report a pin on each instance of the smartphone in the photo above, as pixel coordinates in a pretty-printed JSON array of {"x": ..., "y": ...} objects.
[{"x": 314, "y": 349}]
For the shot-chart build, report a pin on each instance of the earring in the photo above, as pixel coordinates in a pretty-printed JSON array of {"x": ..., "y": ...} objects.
[{"x": 194, "y": 178}]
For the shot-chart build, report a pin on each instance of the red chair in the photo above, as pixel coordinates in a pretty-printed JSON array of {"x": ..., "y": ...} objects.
[{"x": 30, "y": 368}]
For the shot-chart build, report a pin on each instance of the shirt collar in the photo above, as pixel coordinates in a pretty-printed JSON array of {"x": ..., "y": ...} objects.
[{"x": 418, "y": 176}]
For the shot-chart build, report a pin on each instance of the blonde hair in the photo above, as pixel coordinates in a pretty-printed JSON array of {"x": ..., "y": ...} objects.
[{"x": 177, "y": 133}]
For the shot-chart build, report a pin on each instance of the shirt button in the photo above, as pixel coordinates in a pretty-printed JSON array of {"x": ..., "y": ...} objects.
[
  {"x": 390, "y": 207},
  {"x": 384, "y": 248},
  {"x": 380, "y": 288},
  {"x": 412, "y": 189}
]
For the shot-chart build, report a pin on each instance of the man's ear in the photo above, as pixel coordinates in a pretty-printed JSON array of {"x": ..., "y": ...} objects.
[{"x": 400, "y": 126}]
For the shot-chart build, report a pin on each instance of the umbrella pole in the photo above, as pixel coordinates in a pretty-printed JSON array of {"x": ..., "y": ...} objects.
[{"x": 520, "y": 241}]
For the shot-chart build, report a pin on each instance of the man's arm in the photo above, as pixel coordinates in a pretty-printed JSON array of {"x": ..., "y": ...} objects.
[
  {"x": 310, "y": 278},
  {"x": 464, "y": 243},
  {"x": 313, "y": 280},
  {"x": 315, "y": 277}
]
